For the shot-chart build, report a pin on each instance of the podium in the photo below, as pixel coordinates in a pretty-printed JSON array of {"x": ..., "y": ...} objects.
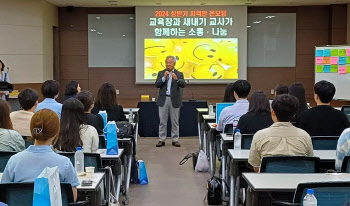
[{"x": 5, "y": 86}]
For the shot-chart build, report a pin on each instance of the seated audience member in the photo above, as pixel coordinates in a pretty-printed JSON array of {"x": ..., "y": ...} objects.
[
  {"x": 343, "y": 148},
  {"x": 297, "y": 90},
  {"x": 28, "y": 99},
  {"x": 74, "y": 132},
  {"x": 281, "y": 138},
  {"x": 107, "y": 100},
  {"x": 72, "y": 89},
  {"x": 323, "y": 120},
  {"x": 231, "y": 114},
  {"x": 229, "y": 97},
  {"x": 27, "y": 165},
  {"x": 96, "y": 121},
  {"x": 258, "y": 116},
  {"x": 50, "y": 90},
  {"x": 10, "y": 140},
  {"x": 281, "y": 89}
]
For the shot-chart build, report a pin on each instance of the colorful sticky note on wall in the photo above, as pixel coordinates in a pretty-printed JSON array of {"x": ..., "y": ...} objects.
[
  {"x": 334, "y": 68},
  {"x": 347, "y": 60},
  {"x": 319, "y": 68},
  {"x": 348, "y": 52},
  {"x": 347, "y": 69},
  {"x": 334, "y": 60},
  {"x": 334, "y": 52},
  {"x": 342, "y": 70},
  {"x": 319, "y": 53},
  {"x": 319, "y": 60},
  {"x": 327, "y": 52},
  {"x": 327, "y": 68},
  {"x": 326, "y": 60},
  {"x": 342, "y": 60},
  {"x": 342, "y": 52}
]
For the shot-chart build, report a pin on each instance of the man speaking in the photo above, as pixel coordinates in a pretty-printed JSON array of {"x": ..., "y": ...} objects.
[{"x": 170, "y": 83}]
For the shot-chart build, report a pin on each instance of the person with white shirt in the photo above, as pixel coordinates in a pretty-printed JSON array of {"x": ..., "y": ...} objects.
[
  {"x": 74, "y": 132},
  {"x": 170, "y": 83},
  {"x": 28, "y": 99},
  {"x": 231, "y": 114}
]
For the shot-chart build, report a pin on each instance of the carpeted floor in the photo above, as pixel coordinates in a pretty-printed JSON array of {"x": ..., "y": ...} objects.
[{"x": 169, "y": 183}]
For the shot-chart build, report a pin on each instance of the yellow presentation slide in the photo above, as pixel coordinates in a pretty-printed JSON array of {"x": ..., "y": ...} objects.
[{"x": 199, "y": 58}]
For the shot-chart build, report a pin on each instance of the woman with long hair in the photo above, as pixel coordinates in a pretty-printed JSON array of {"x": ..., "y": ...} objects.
[
  {"x": 258, "y": 116},
  {"x": 297, "y": 90},
  {"x": 72, "y": 89},
  {"x": 27, "y": 165},
  {"x": 229, "y": 97},
  {"x": 10, "y": 140},
  {"x": 107, "y": 100},
  {"x": 74, "y": 132}
]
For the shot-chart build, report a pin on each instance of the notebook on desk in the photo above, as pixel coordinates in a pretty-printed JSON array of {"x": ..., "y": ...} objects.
[{"x": 220, "y": 107}]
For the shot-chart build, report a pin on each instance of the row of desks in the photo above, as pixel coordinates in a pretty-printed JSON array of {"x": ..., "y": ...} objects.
[{"x": 207, "y": 137}]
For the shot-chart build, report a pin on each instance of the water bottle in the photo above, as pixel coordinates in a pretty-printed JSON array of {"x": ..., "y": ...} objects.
[
  {"x": 131, "y": 116},
  {"x": 211, "y": 110},
  {"x": 310, "y": 199},
  {"x": 79, "y": 161},
  {"x": 237, "y": 140}
]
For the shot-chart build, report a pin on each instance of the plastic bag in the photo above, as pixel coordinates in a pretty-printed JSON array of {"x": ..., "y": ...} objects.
[
  {"x": 143, "y": 179},
  {"x": 202, "y": 162},
  {"x": 112, "y": 139},
  {"x": 47, "y": 188}
]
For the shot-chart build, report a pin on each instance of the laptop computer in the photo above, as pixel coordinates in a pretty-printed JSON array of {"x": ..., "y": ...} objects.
[{"x": 220, "y": 107}]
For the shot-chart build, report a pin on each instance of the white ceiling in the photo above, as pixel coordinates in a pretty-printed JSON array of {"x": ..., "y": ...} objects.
[{"x": 124, "y": 3}]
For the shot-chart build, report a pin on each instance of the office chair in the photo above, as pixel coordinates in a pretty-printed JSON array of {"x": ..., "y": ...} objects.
[
  {"x": 324, "y": 142},
  {"x": 290, "y": 164},
  {"x": 326, "y": 193},
  {"x": 4, "y": 158},
  {"x": 21, "y": 194}
]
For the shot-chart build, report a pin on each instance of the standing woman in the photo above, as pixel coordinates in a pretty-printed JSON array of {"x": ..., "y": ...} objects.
[
  {"x": 73, "y": 131},
  {"x": 297, "y": 90},
  {"x": 107, "y": 100},
  {"x": 72, "y": 89},
  {"x": 4, "y": 76}
]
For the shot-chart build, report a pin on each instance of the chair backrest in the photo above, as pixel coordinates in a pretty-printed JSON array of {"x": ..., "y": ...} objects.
[
  {"x": 324, "y": 142},
  {"x": 246, "y": 141},
  {"x": 290, "y": 164},
  {"x": 345, "y": 167},
  {"x": 90, "y": 159},
  {"x": 27, "y": 142},
  {"x": 326, "y": 193},
  {"x": 4, "y": 158},
  {"x": 346, "y": 110},
  {"x": 228, "y": 129},
  {"x": 102, "y": 141},
  {"x": 21, "y": 194}
]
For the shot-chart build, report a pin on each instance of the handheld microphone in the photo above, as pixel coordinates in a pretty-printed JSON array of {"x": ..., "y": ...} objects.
[{"x": 192, "y": 97}]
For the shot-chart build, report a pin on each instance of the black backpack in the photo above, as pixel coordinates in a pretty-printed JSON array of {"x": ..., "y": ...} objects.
[
  {"x": 214, "y": 191},
  {"x": 125, "y": 129}
]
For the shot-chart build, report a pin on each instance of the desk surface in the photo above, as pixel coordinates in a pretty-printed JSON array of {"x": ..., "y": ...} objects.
[
  {"x": 208, "y": 117},
  {"x": 243, "y": 155},
  {"x": 96, "y": 180},
  {"x": 211, "y": 125},
  {"x": 289, "y": 182},
  {"x": 105, "y": 156},
  {"x": 202, "y": 110},
  {"x": 226, "y": 137}
]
